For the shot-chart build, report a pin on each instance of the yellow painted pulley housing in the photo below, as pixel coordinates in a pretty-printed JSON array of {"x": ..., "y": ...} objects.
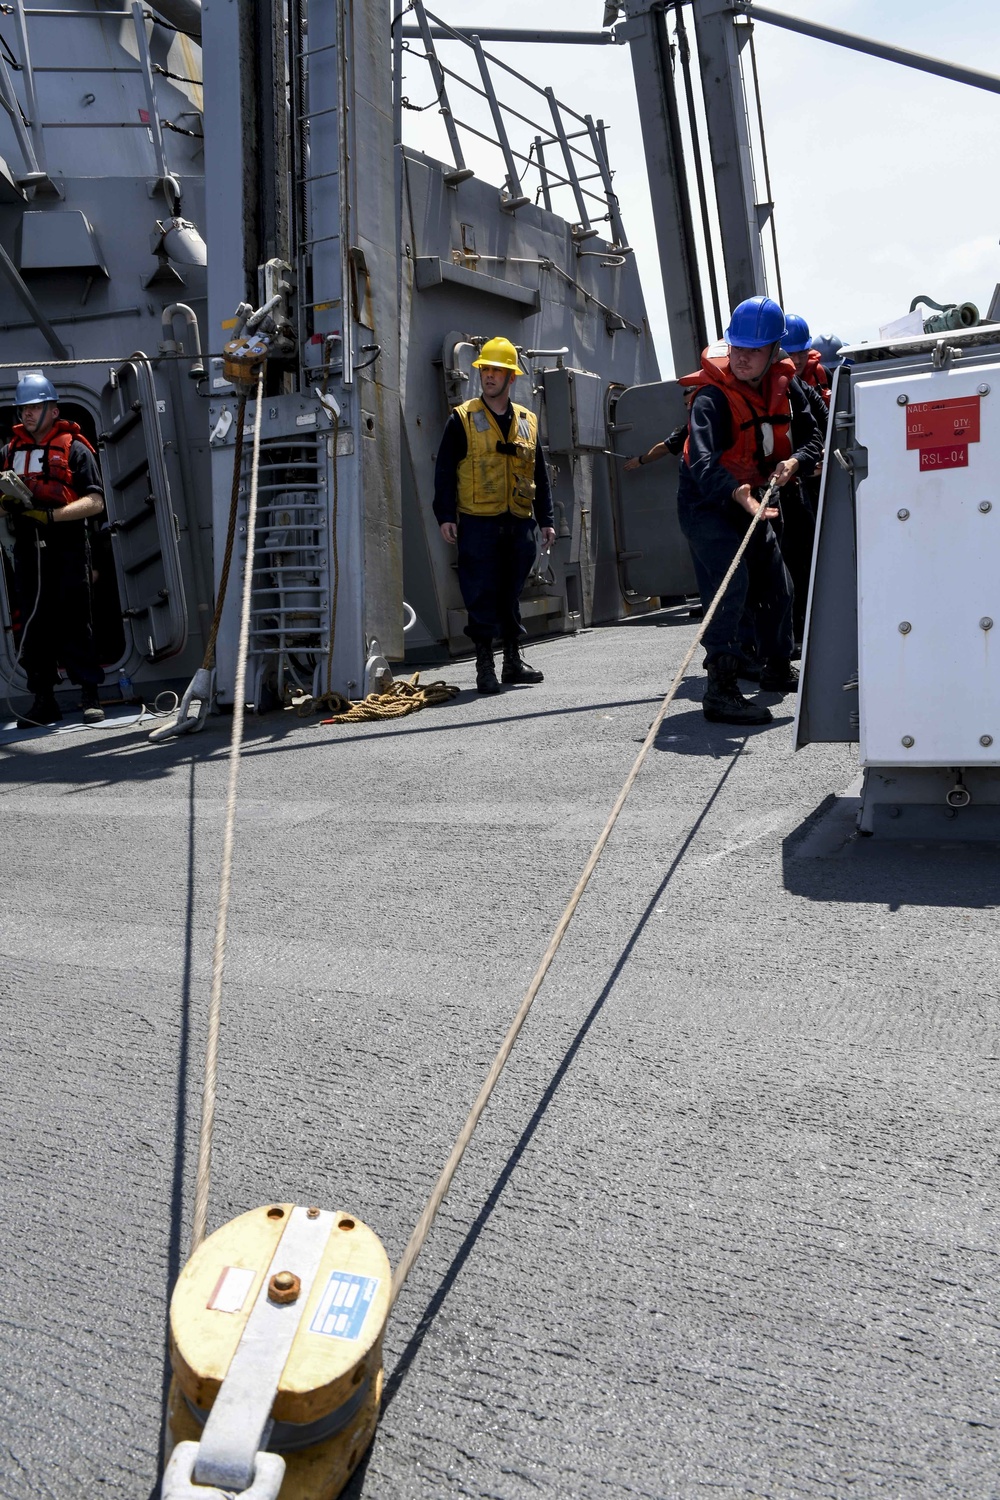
[
  {"x": 243, "y": 357},
  {"x": 327, "y": 1400}
]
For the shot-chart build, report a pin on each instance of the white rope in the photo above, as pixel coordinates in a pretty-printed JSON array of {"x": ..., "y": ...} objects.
[
  {"x": 422, "y": 1228},
  {"x": 225, "y": 877}
]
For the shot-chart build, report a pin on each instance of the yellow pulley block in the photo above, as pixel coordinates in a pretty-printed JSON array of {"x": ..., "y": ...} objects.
[
  {"x": 276, "y": 1328},
  {"x": 243, "y": 357}
]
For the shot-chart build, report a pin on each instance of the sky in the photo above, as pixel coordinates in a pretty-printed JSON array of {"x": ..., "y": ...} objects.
[{"x": 884, "y": 179}]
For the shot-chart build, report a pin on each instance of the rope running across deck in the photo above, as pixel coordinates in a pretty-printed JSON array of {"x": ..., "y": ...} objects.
[
  {"x": 433, "y": 1204},
  {"x": 443, "y": 1183}
]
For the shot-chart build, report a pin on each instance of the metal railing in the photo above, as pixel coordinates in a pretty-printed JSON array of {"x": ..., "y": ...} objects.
[
  {"x": 576, "y": 141},
  {"x": 28, "y": 126}
]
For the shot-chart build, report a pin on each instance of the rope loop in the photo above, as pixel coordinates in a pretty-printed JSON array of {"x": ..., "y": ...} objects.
[{"x": 396, "y": 702}]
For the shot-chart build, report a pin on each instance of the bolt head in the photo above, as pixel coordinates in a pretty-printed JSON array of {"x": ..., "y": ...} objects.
[
  {"x": 904, "y": 627},
  {"x": 284, "y": 1286},
  {"x": 312, "y": 1212},
  {"x": 907, "y": 741},
  {"x": 985, "y": 507},
  {"x": 983, "y": 389},
  {"x": 902, "y": 400},
  {"x": 986, "y": 623},
  {"x": 903, "y": 514},
  {"x": 985, "y": 740}
]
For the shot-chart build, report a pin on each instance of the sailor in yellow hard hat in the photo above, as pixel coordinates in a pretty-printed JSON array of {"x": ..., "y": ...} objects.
[{"x": 491, "y": 487}]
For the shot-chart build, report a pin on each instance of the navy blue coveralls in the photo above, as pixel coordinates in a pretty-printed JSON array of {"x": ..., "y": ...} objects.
[
  {"x": 715, "y": 525},
  {"x": 495, "y": 553},
  {"x": 798, "y": 516}
]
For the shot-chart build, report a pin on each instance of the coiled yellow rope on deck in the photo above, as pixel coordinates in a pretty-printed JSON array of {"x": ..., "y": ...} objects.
[{"x": 396, "y": 702}]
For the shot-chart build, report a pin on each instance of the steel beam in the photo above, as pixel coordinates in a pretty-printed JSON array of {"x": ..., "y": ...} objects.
[
  {"x": 645, "y": 30},
  {"x": 515, "y": 34},
  {"x": 729, "y": 145},
  {"x": 23, "y": 293},
  {"x": 919, "y": 60},
  {"x": 184, "y": 14}
]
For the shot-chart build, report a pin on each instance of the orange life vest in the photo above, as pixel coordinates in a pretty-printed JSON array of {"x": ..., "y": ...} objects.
[
  {"x": 761, "y": 415},
  {"x": 53, "y": 485},
  {"x": 814, "y": 374}
]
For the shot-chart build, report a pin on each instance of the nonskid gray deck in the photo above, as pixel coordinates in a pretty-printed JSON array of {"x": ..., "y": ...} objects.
[{"x": 729, "y": 1224}]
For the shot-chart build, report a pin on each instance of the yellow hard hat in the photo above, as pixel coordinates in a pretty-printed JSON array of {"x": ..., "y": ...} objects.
[{"x": 499, "y": 352}]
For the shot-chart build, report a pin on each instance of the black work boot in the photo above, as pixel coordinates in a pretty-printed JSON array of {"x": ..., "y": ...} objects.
[
  {"x": 486, "y": 672},
  {"x": 93, "y": 713},
  {"x": 515, "y": 668},
  {"x": 44, "y": 710},
  {"x": 779, "y": 676},
  {"x": 723, "y": 702},
  {"x": 749, "y": 670}
]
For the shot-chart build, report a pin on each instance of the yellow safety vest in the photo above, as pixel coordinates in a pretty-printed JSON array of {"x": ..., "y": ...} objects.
[{"x": 490, "y": 483}]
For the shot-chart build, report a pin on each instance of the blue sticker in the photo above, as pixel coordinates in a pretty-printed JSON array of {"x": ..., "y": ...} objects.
[{"x": 344, "y": 1305}]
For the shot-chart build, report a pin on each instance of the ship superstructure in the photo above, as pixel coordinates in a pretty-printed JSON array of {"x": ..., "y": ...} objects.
[{"x": 163, "y": 166}]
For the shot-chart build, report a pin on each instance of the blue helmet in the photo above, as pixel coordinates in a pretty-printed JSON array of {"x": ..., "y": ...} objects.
[
  {"x": 829, "y": 347},
  {"x": 33, "y": 388},
  {"x": 756, "y": 322},
  {"x": 797, "y": 338}
]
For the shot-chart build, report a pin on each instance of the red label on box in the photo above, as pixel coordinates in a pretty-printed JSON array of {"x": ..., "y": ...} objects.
[
  {"x": 954, "y": 456},
  {"x": 935, "y": 424}
]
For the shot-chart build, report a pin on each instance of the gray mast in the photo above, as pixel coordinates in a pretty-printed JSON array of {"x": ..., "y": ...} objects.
[
  {"x": 720, "y": 42},
  {"x": 645, "y": 30}
]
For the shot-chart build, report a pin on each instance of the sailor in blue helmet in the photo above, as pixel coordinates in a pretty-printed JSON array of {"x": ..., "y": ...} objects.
[
  {"x": 828, "y": 347},
  {"x": 747, "y": 426},
  {"x": 53, "y": 459},
  {"x": 809, "y": 368}
]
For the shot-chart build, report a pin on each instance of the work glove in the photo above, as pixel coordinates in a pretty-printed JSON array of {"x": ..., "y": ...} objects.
[
  {"x": 14, "y": 493},
  {"x": 40, "y": 517}
]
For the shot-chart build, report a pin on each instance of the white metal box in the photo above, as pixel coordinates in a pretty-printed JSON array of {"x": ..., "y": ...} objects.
[{"x": 928, "y": 537}]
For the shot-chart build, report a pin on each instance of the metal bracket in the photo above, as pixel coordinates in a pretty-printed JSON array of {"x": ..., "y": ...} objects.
[
  {"x": 193, "y": 709},
  {"x": 378, "y": 673},
  {"x": 852, "y": 459},
  {"x": 943, "y": 354},
  {"x": 220, "y": 431},
  {"x": 179, "y": 1482}
]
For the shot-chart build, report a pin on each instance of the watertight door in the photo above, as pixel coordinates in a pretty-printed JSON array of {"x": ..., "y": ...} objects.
[
  {"x": 653, "y": 557},
  {"x": 142, "y": 520}
]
